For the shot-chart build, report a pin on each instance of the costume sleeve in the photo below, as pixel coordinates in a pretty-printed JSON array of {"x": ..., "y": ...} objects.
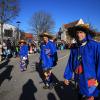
[
  {"x": 98, "y": 62},
  {"x": 53, "y": 48},
  {"x": 27, "y": 49},
  {"x": 68, "y": 70}
]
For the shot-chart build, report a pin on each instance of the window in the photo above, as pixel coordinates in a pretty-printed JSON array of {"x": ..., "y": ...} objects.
[{"x": 8, "y": 33}]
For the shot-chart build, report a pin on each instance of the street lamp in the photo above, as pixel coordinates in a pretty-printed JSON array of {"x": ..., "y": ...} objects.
[{"x": 18, "y": 31}]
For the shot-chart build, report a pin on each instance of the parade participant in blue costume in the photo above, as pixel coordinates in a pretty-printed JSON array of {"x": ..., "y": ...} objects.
[
  {"x": 55, "y": 59},
  {"x": 47, "y": 58},
  {"x": 23, "y": 53},
  {"x": 84, "y": 62}
]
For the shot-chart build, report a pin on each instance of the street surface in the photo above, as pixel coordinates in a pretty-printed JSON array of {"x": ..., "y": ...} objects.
[{"x": 28, "y": 85}]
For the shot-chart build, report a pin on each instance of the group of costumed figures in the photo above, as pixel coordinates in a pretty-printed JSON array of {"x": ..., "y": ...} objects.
[{"x": 83, "y": 63}]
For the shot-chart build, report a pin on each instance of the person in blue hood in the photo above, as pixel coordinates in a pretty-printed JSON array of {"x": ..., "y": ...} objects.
[
  {"x": 47, "y": 53},
  {"x": 84, "y": 62},
  {"x": 23, "y": 53}
]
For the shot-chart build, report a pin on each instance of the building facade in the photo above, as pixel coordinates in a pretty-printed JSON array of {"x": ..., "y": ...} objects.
[
  {"x": 63, "y": 31},
  {"x": 9, "y": 31}
]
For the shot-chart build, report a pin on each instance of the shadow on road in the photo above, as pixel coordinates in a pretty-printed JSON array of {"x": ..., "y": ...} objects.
[
  {"x": 51, "y": 96},
  {"x": 28, "y": 91},
  {"x": 4, "y": 64},
  {"x": 39, "y": 70},
  {"x": 64, "y": 92},
  {"x": 6, "y": 74}
]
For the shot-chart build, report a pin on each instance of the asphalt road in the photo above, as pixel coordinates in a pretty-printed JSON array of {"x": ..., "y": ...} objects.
[{"x": 28, "y": 85}]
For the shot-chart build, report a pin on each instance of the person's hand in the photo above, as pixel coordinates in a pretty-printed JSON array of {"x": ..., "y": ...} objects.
[
  {"x": 45, "y": 74},
  {"x": 66, "y": 82}
]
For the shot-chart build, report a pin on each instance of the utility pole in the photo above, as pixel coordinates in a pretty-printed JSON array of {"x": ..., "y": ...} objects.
[
  {"x": 1, "y": 34},
  {"x": 1, "y": 28},
  {"x": 1, "y": 38},
  {"x": 18, "y": 30}
]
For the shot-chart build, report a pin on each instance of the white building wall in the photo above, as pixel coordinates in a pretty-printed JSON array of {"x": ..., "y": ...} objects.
[
  {"x": 9, "y": 27},
  {"x": 63, "y": 36}
]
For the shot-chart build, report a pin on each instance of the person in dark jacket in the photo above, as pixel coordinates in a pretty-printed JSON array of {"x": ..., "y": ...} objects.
[
  {"x": 84, "y": 62},
  {"x": 9, "y": 47}
]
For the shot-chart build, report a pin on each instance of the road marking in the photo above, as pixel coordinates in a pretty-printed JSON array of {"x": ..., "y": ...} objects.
[{"x": 63, "y": 57}]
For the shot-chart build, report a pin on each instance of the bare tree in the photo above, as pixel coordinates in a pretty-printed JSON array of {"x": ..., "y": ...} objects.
[
  {"x": 8, "y": 10},
  {"x": 42, "y": 22}
]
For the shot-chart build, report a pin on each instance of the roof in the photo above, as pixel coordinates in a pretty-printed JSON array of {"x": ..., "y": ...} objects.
[
  {"x": 71, "y": 24},
  {"x": 28, "y": 35},
  {"x": 98, "y": 33},
  {"x": 8, "y": 26}
]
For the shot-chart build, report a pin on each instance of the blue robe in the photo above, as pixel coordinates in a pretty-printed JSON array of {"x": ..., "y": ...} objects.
[
  {"x": 23, "y": 50},
  {"x": 23, "y": 53},
  {"x": 55, "y": 55},
  {"x": 47, "y": 54},
  {"x": 86, "y": 72}
]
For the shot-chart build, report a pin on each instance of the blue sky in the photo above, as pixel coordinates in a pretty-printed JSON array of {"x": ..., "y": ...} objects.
[{"x": 62, "y": 11}]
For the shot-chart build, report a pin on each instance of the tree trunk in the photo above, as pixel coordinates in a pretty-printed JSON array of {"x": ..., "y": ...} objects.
[{"x": 1, "y": 35}]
